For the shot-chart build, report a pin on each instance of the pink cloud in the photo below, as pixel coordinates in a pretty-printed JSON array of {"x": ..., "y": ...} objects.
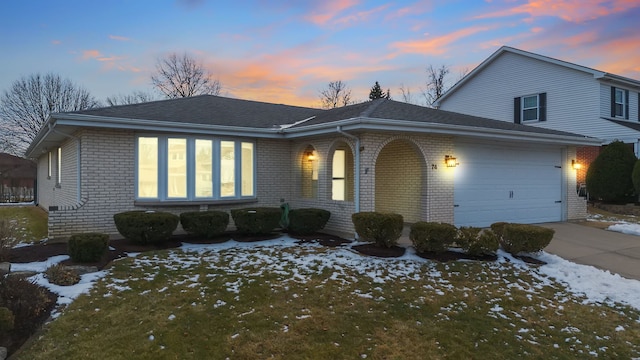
[
  {"x": 329, "y": 10},
  {"x": 435, "y": 45},
  {"x": 56, "y": 42},
  {"x": 360, "y": 16},
  {"x": 569, "y": 10},
  {"x": 417, "y": 8},
  {"x": 90, "y": 54}
]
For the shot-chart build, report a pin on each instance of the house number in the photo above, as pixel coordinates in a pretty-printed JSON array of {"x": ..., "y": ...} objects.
[{"x": 434, "y": 167}]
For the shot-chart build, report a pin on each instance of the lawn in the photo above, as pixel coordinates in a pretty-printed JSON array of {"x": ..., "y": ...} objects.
[
  {"x": 279, "y": 299},
  {"x": 28, "y": 223}
]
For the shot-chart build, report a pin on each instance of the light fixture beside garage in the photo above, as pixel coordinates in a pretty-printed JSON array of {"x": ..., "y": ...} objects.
[
  {"x": 309, "y": 155},
  {"x": 575, "y": 165},
  {"x": 450, "y": 161}
]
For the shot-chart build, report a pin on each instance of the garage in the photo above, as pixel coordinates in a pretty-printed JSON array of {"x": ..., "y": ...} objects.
[{"x": 521, "y": 184}]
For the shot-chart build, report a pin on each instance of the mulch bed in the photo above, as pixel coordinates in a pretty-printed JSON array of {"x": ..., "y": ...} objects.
[
  {"x": 454, "y": 255},
  {"x": 379, "y": 251},
  {"x": 321, "y": 238}
]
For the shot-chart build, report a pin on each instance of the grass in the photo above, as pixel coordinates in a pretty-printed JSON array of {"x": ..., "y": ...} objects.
[
  {"x": 29, "y": 223},
  {"x": 308, "y": 302}
]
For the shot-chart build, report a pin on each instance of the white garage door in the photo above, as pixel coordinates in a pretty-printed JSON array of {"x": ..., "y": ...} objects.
[{"x": 513, "y": 184}]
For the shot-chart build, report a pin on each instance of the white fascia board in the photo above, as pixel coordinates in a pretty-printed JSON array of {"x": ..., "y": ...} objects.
[
  {"x": 163, "y": 126},
  {"x": 617, "y": 79},
  {"x": 360, "y": 124}
]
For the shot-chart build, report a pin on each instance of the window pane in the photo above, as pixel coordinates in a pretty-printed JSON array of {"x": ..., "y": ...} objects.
[
  {"x": 177, "y": 168},
  {"x": 147, "y": 167},
  {"x": 531, "y": 114},
  {"x": 338, "y": 164},
  {"x": 204, "y": 166},
  {"x": 619, "y": 110},
  {"x": 59, "y": 165},
  {"x": 530, "y": 102},
  {"x": 227, "y": 168},
  {"x": 247, "y": 169},
  {"x": 337, "y": 189},
  {"x": 619, "y": 96}
]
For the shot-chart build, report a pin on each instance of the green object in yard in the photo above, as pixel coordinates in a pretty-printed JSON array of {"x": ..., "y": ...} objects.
[{"x": 284, "y": 219}]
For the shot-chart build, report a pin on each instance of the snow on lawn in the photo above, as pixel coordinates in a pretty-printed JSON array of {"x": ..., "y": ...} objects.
[{"x": 268, "y": 257}]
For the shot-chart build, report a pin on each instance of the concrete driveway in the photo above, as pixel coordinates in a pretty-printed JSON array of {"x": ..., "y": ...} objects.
[{"x": 608, "y": 250}]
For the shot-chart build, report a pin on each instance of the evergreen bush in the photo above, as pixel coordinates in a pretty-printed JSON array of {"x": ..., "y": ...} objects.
[
  {"x": 208, "y": 224},
  {"x": 146, "y": 227},
  {"x": 7, "y": 320},
  {"x": 256, "y": 221},
  {"x": 383, "y": 229},
  {"x": 88, "y": 247},
  {"x": 432, "y": 236},
  {"x": 517, "y": 238},
  {"x": 609, "y": 177},
  {"x": 307, "y": 221},
  {"x": 476, "y": 241}
]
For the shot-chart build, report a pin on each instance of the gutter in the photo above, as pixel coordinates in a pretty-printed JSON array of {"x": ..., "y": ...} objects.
[{"x": 356, "y": 166}]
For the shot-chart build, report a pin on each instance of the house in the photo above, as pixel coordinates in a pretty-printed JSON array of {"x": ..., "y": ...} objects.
[
  {"x": 210, "y": 152},
  {"x": 17, "y": 179},
  {"x": 520, "y": 87}
]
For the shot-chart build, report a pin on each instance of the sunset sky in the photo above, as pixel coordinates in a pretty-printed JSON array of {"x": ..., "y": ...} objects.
[{"x": 287, "y": 51}]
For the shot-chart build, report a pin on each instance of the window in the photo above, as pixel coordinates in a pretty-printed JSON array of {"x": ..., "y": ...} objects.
[
  {"x": 338, "y": 188},
  {"x": 49, "y": 164},
  {"x": 530, "y": 108},
  {"x": 188, "y": 168},
  {"x": 59, "y": 180},
  {"x": 619, "y": 103}
]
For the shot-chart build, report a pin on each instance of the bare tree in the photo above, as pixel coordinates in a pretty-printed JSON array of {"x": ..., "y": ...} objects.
[
  {"x": 406, "y": 94},
  {"x": 336, "y": 94},
  {"x": 435, "y": 83},
  {"x": 133, "y": 98},
  {"x": 28, "y": 103},
  {"x": 182, "y": 76}
]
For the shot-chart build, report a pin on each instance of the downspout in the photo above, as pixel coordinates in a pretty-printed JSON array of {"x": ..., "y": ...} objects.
[
  {"x": 357, "y": 167},
  {"x": 78, "y": 160}
]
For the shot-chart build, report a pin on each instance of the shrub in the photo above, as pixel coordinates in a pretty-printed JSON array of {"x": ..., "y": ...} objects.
[
  {"x": 256, "y": 221},
  {"x": 205, "y": 223},
  {"x": 609, "y": 177},
  {"x": 635, "y": 177},
  {"x": 517, "y": 238},
  {"x": 145, "y": 227},
  {"x": 432, "y": 236},
  {"x": 476, "y": 241},
  {"x": 58, "y": 274},
  {"x": 7, "y": 320},
  {"x": 88, "y": 247},
  {"x": 307, "y": 221},
  {"x": 383, "y": 229},
  {"x": 26, "y": 300},
  {"x": 498, "y": 228}
]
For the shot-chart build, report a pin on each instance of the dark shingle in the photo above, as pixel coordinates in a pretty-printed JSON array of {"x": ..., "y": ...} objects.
[{"x": 209, "y": 109}]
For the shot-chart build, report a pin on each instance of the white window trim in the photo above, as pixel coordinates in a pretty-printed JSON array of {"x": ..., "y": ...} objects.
[
  {"x": 59, "y": 167},
  {"x": 623, "y": 103},
  {"x": 523, "y": 108},
  {"x": 191, "y": 173}
]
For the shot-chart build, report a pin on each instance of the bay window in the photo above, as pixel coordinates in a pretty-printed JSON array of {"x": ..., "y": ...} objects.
[{"x": 190, "y": 168}]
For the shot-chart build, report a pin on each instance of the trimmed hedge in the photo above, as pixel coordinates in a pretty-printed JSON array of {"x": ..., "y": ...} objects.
[
  {"x": 517, "y": 238},
  {"x": 88, "y": 247},
  {"x": 609, "y": 177},
  {"x": 475, "y": 241},
  {"x": 146, "y": 227},
  {"x": 307, "y": 221},
  {"x": 383, "y": 229},
  {"x": 7, "y": 320},
  {"x": 205, "y": 223},
  {"x": 256, "y": 221},
  {"x": 432, "y": 236}
]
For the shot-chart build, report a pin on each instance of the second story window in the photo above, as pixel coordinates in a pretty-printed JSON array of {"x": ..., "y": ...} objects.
[
  {"x": 620, "y": 103},
  {"x": 530, "y": 108}
]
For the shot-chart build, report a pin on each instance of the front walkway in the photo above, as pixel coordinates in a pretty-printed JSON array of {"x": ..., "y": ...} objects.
[{"x": 607, "y": 250}]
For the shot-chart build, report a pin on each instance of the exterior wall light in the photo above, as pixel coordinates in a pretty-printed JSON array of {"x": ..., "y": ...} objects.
[
  {"x": 309, "y": 155},
  {"x": 450, "y": 161},
  {"x": 576, "y": 165}
]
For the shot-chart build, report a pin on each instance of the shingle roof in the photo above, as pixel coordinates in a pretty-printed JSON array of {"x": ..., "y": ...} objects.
[
  {"x": 394, "y": 110},
  {"x": 209, "y": 109},
  {"x": 626, "y": 123}
]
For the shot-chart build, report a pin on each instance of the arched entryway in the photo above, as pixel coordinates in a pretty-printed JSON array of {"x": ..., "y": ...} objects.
[{"x": 400, "y": 180}]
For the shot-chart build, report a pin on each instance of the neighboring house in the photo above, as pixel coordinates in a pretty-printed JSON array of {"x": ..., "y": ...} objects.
[
  {"x": 17, "y": 179},
  {"x": 210, "y": 152},
  {"x": 526, "y": 88}
]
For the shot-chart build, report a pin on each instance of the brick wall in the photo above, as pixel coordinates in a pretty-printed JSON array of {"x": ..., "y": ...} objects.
[
  {"x": 585, "y": 156},
  {"x": 576, "y": 205}
]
